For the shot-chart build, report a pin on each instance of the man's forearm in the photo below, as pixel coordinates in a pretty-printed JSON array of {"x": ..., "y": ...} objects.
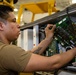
[
  {"x": 37, "y": 51},
  {"x": 64, "y": 58},
  {"x": 41, "y": 47}
]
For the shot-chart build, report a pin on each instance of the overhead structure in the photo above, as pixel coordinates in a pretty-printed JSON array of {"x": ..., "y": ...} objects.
[
  {"x": 36, "y": 8},
  {"x": 8, "y": 2},
  {"x": 54, "y": 18}
]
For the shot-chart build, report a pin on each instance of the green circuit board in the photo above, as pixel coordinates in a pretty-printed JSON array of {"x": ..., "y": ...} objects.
[{"x": 66, "y": 32}]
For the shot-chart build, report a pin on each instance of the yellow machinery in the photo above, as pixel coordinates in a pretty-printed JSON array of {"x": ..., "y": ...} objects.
[
  {"x": 8, "y": 2},
  {"x": 39, "y": 7}
]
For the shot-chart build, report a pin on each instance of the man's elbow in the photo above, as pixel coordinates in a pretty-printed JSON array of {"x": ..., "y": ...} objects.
[{"x": 56, "y": 63}]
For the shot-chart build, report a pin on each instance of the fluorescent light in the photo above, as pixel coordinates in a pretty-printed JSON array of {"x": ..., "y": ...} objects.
[
  {"x": 15, "y": 9},
  {"x": 73, "y": 1}
]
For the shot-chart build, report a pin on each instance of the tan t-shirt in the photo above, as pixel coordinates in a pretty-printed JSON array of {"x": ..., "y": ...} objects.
[{"x": 13, "y": 59}]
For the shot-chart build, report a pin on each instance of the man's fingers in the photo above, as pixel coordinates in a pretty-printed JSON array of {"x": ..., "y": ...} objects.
[{"x": 53, "y": 28}]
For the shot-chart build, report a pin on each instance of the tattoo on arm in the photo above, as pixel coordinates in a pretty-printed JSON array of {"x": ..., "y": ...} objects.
[{"x": 38, "y": 50}]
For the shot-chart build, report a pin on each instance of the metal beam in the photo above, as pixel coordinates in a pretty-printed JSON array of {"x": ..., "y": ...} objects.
[{"x": 71, "y": 10}]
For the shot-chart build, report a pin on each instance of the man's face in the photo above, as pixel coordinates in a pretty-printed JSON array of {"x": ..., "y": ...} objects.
[{"x": 11, "y": 29}]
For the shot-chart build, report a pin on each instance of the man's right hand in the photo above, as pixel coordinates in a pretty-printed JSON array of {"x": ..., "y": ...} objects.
[{"x": 49, "y": 31}]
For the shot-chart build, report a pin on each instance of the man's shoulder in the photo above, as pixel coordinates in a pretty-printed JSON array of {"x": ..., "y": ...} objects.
[{"x": 9, "y": 47}]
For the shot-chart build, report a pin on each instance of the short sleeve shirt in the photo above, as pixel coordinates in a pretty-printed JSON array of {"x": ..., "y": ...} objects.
[{"x": 13, "y": 59}]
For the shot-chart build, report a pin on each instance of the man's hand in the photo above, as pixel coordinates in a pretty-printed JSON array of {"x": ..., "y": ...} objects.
[{"x": 49, "y": 31}]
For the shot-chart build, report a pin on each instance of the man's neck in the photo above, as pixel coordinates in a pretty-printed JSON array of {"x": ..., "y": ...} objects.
[{"x": 4, "y": 40}]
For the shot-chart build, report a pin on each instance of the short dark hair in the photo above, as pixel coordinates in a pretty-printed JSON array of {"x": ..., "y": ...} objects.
[{"x": 4, "y": 10}]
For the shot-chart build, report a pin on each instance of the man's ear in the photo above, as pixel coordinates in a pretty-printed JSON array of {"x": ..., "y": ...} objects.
[{"x": 1, "y": 26}]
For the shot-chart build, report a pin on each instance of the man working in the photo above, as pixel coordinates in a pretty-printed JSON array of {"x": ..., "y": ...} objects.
[{"x": 14, "y": 60}]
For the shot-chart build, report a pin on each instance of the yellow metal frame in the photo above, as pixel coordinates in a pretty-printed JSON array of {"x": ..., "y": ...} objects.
[
  {"x": 11, "y": 4},
  {"x": 39, "y": 7}
]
